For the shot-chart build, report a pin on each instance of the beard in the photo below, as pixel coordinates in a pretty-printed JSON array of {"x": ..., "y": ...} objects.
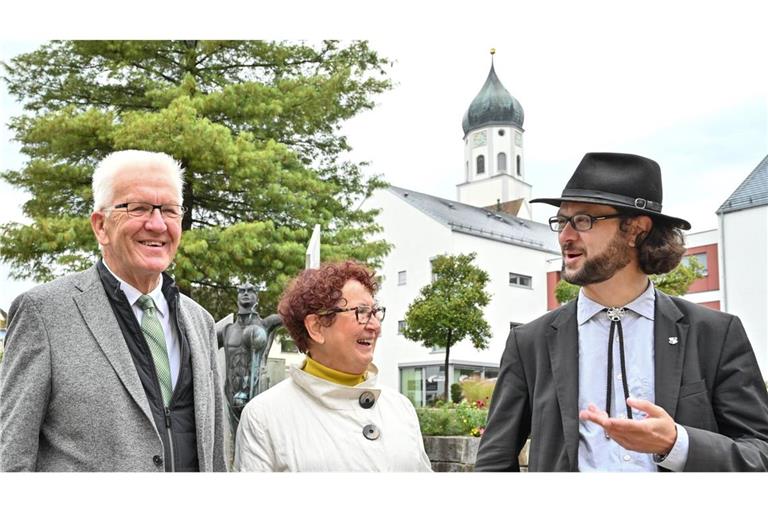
[{"x": 602, "y": 266}]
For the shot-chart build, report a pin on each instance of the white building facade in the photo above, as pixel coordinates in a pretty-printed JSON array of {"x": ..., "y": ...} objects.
[
  {"x": 743, "y": 239},
  {"x": 492, "y": 219}
]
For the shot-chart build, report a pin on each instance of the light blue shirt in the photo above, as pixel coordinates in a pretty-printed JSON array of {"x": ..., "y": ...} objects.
[
  {"x": 596, "y": 453},
  {"x": 163, "y": 310}
]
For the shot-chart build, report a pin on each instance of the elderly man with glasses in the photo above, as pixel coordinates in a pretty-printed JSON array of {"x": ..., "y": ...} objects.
[
  {"x": 625, "y": 378},
  {"x": 111, "y": 369}
]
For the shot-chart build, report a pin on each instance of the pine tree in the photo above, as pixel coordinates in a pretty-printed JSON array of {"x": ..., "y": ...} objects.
[{"x": 255, "y": 124}]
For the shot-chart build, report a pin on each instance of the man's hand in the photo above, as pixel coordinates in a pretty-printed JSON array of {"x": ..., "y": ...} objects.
[{"x": 654, "y": 434}]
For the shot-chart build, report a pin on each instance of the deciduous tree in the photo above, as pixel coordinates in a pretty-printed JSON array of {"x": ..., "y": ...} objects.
[{"x": 450, "y": 308}]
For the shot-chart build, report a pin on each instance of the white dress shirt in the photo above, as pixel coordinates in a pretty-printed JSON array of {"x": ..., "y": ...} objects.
[{"x": 171, "y": 341}]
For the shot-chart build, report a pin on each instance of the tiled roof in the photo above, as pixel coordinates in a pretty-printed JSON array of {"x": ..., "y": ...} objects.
[
  {"x": 752, "y": 192},
  {"x": 475, "y": 221}
]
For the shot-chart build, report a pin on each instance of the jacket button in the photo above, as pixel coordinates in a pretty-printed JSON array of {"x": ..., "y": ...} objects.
[
  {"x": 371, "y": 432},
  {"x": 158, "y": 460},
  {"x": 367, "y": 400}
]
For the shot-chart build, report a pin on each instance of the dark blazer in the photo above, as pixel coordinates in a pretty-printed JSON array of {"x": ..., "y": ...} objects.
[{"x": 709, "y": 382}]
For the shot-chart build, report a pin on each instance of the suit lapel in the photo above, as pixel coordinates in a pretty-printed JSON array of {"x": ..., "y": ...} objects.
[
  {"x": 563, "y": 346},
  {"x": 92, "y": 301},
  {"x": 670, "y": 337},
  {"x": 201, "y": 383}
]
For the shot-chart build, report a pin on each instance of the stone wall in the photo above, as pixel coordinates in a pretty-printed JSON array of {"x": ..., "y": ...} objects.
[{"x": 449, "y": 454}]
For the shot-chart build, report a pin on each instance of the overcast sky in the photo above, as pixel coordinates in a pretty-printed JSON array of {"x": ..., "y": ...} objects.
[
  {"x": 681, "y": 82},
  {"x": 678, "y": 83}
]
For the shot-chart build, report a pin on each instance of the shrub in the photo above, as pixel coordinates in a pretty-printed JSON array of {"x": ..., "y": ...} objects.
[
  {"x": 462, "y": 419},
  {"x": 456, "y": 392},
  {"x": 477, "y": 390}
]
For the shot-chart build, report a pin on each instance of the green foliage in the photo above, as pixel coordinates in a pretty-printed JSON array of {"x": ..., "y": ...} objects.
[
  {"x": 450, "y": 308},
  {"x": 456, "y": 392},
  {"x": 462, "y": 419},
  {"x": 478, "y": 391},
  {"x": 680, "y": 278},
  {"x": 675, "y": 282},
  {"x": 255, "y": 124},
  {"x": 565, "y": 291}
]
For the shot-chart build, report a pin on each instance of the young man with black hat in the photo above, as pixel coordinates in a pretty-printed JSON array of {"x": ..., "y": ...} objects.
[{"x": 625, "y": 378}]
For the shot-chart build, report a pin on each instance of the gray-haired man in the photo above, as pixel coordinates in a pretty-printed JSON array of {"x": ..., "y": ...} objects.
[{"x": 111, "y": 369}]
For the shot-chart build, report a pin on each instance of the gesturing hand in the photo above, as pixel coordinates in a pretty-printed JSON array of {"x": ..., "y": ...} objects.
[{"x": 654, "y": 434}]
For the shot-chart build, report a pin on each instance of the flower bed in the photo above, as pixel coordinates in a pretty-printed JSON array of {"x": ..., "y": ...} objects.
[{"x": 462, "y": 419}]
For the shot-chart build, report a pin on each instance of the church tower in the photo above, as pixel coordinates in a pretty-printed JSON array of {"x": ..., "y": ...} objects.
[{"x": 494, "y": 172}]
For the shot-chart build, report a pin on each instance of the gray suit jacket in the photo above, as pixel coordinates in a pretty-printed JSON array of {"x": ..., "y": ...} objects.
[
  {"x": 70, "y": 396},
  {"x": 709, "y": 382}
]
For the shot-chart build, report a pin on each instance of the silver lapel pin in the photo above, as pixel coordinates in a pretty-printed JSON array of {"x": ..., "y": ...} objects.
[{"x": 673, "y": 340}]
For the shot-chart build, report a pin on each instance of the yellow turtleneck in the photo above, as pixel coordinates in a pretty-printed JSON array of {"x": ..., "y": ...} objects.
[{"x": 312, "y": 367}]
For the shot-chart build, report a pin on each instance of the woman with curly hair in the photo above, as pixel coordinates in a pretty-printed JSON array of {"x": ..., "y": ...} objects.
[{"x": 330, "y": 415}]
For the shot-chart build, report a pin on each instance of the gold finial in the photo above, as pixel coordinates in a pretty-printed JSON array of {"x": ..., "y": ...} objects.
[{"x": 493, "y": 51}]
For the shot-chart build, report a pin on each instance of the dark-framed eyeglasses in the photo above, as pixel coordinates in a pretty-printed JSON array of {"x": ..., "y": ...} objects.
[
  {"x": 579, "y": 222},
  {"x": 363, "y": 314},
  {"x": 140, "y": 209}
]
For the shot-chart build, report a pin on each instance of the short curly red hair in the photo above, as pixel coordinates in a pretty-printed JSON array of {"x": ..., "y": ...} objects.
[{"x": 316, "y": 289}]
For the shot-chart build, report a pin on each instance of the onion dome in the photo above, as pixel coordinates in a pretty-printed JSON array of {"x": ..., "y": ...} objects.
[{"x": 493, "y": 105}]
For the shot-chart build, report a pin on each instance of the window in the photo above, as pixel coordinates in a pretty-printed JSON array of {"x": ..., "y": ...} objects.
[
  {"x": 481, "y": 164},
  {"x": 425, "y": 384},
  {"x": 400, "y": 326},
  {"x": 701, "y": 257},
  {"x": 401, "y": 278},
  {"x": 501, "y": 132},
  {"x": 519, "y": 280},
  {"x": 287, "y": 344},
  {"x": 519, "y": 169},
  {"x": 432, "y": 275},
  {"x": 501, "y": 161},
  {"x": 412, "y": 385}
]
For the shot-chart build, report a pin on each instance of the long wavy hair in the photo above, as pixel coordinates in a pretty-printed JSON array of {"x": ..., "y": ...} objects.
[{"x": 659, "y": 250}]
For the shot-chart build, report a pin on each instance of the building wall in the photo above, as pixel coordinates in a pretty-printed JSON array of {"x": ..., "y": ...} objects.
[
  {"x": 744, "y": 274},
  {"x": 509, "y": 303},
  {"x": 501, "y": 187},
  {"x": 494, "y": 184},
  {"x": 417, "y": 239},
  {"x": 705, "y": 290}
]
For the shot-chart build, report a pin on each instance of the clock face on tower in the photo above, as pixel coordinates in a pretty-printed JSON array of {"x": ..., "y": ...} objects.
[
  {"x": 478, "y": 139},
  {"x": 518, "y": 139}
]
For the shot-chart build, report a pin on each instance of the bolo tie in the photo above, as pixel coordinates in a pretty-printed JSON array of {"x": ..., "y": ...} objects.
[{"x": 615, "y": 315}]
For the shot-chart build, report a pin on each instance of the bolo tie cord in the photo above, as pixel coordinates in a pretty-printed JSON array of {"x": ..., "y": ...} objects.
[{"x": 614, "y": 315}]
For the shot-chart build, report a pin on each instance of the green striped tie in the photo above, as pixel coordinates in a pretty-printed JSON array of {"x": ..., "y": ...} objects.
[{"x": 153, "y": 333}]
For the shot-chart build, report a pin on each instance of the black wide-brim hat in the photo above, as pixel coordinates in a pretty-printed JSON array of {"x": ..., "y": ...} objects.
[{"x": 629, "y": 182}]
